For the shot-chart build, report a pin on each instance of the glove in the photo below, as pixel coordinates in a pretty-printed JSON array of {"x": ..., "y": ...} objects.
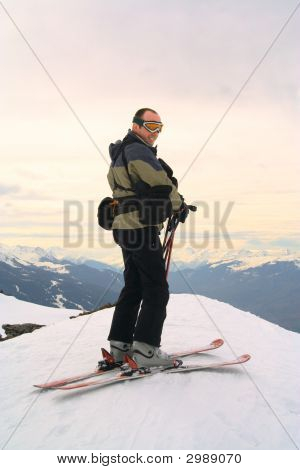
[{"x": 183, "y": 212}]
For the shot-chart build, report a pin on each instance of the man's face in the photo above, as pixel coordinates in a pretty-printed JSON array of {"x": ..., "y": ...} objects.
[{"x": 147, "y": 136}]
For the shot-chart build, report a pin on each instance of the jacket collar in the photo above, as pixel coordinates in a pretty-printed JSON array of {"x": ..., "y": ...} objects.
[{"x": 132, "y": 137}]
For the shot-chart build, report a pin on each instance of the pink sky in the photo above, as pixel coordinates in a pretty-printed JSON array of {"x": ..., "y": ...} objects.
[{"x": 188, "y": 60}]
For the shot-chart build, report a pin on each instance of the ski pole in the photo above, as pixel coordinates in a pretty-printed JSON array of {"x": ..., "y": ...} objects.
[{"x": 172, "y": 225}]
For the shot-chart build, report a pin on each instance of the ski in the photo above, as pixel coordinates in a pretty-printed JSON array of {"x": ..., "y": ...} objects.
[
  {"x": 134, "y": 372},
  {"x": 192, "y": 367},
  {"x": 111, "y": 365},
  {"x": 68, "y": 380},
  {"x": 217, "y": 343},
  {"x": 107, "y": 364}
]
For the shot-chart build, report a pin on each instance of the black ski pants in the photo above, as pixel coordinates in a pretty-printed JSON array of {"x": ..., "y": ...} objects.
[{"x": 141, "y": 308}]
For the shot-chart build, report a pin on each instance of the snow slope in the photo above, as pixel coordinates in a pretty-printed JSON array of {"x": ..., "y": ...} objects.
[
  {"x": 14, "y": 311},
  {"x": 255, "y": 406}
]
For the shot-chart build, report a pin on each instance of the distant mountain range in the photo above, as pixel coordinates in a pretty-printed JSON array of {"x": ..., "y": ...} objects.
[
  {"x": 263, "y": 283},
  {"x": 34, "y": 275},
  {"x": 271, "y": 290}
]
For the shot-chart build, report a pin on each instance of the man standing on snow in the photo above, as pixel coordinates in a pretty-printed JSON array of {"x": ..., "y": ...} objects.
[{"x": 134, "y": 172}]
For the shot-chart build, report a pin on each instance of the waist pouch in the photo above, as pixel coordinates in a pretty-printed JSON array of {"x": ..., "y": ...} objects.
[
  {"x": 109, "y": 208},
  {"x": 106, "y": 213}
]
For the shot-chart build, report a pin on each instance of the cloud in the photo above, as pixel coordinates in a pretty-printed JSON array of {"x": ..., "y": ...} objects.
[
  {"x": 17, "y": 192},
  {"x": 286, "y": 243},
  {"x": 9, "y": 189}
]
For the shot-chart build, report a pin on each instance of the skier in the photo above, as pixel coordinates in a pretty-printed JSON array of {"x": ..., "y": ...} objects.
[{"x": 137, "y": 178}]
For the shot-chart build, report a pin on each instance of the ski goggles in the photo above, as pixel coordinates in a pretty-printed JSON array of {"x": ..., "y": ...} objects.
[{"x": 151, "y": 126}]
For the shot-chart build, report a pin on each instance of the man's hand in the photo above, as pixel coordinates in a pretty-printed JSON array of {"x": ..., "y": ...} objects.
[{"x": 183, "y": 212}]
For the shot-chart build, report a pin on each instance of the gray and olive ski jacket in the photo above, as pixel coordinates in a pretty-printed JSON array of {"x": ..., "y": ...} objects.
[{"x": 142, "y": 165}]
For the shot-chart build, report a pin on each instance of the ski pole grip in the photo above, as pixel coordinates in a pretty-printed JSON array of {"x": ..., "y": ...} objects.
[{"x": 192, "y": 208}]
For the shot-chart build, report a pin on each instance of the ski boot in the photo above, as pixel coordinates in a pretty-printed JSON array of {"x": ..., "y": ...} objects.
[{"x": 147, "y": 356}]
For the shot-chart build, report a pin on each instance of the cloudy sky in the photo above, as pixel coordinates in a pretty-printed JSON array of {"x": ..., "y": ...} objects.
[{"x": 73, "y": 72}]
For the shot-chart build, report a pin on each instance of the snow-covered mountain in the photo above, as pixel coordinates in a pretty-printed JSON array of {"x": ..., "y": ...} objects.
[
  {"x": 36, "y": 275},
  {"x": 185, "y": 257},
  {"x": 270, "y": 290},
  {"x": 237, "y": 259},
  {"x": 264, "y": 282},
  {"x": 254, "y": 406}
]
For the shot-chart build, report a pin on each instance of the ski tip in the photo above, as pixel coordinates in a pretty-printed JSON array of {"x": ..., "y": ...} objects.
[
  {"x": 217, "y": 342},
  {"x": 131, "y": 362},
  {"x": 43, "y": 386},
  {"x": 244, "y": 358}
]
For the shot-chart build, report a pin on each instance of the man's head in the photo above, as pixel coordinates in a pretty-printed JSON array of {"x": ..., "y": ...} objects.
[{"x": 142, "y": 117}]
